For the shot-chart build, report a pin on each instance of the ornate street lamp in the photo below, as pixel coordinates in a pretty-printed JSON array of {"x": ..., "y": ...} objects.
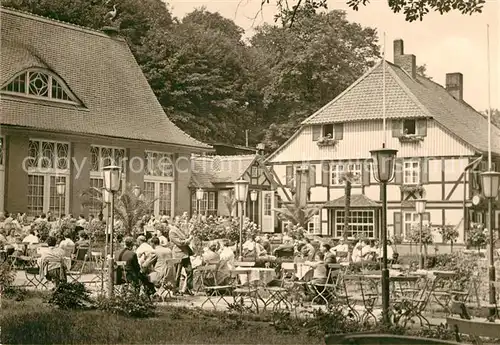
[
  {"x": 420, "y": 209},
  {"x": 384, "y": 161},
  {"x": 253, "y": 197},
  {"x": 490, "y": 183},
  {"x": 200, "y": 193},
  {"x": 240, "y": 195},
  {"x": 112, "y": 180},
  {"x": 60, "y": 189}
]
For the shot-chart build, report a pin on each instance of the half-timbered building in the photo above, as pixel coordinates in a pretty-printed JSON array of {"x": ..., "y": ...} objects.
[{"x": 441, "y": 142}]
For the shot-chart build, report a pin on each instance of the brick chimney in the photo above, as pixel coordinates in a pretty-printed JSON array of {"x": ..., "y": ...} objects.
[
  {"x": 455, "y": 85},
  {"x": 407, "y": 62}
]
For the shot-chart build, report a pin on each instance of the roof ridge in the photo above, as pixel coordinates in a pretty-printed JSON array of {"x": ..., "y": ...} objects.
[
  {"x": 58, "y": 22},
  {"x": 407, "y": 90},
  {"x": 343, "y": 93}
]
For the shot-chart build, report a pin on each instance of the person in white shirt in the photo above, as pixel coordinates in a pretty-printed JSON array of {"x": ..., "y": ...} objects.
[
  {"x": 390, "y": 251},
  {"x": 356, "y": 252},
  {"x": 67, "y": 245},
  {"x": 31, "y": 238},
  {"x": 143, "y": 249},
  {"x": 81, "y": 221}
]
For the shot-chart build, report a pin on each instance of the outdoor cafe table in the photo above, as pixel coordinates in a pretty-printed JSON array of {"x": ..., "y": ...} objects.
[
  {"x": 258, "y": 275},
  {"x": 442, "y": 287}
]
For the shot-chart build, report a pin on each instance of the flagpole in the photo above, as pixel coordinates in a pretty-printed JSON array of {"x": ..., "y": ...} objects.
[
  {"x": 383, "y": 97},
  {"x": 489, "y": 96}
]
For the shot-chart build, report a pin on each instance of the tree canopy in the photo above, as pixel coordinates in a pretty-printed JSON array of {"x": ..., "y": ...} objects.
[{"x": 212, "y": 82}]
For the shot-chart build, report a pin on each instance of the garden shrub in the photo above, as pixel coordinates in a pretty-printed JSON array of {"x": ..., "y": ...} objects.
[
  {"x": 214, "y": 228},
  {"x": 128, "y": 303},
  {"x": 71, "y": 296}
]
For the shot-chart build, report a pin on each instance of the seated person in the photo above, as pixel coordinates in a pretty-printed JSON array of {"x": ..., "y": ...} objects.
[
  {"x": 211, "y": 255},
  {"x": 67, "y": 244},
  {"x": 226, "y": 255},
  {"x": 133, "y": 273},
  {"x": 52, "y": 262},
  {"x": 249, "y": 249},
  {"x": 390, "y": 251},
  {"x": 83, "y": 240},
  {"x": 369, "y": 252},
  {"x": 319, "y": 277},
  {"x": 156, "y": 263},
  {"x": 262, "y": 256},
  {"x": 341, "y": 247},
  {"x": 356, "y": 252},
  {"x": 31, "y": 238},
  {"x": 266, "y": 243},
  {"x": 308, "y": 251},
  {"x": 143, "y": 248}
]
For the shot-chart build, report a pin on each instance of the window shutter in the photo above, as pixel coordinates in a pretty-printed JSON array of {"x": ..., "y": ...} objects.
[
  {"x": 398, "y": 226},
  {"x": 424, "y": 170},
  {"x": 325, "y": 174},
  {"x": 421, "y": 127},
  {"x": 398, "y": 171},
  {"x": 312, "y": 175},
  {"x": 316, "y": 132},
  {"x": 397, "y": 128},
  {"x": 338, "y": 131},
  {"x": 366, "y": 173},
  {"x": 289, "y": 176},
  {"x": 426, "y": 217}
]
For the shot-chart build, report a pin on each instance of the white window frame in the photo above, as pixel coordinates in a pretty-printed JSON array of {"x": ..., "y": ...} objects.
[
  {"x": 337, "y": 169},
  {"x": 147, "y": 154},
  {"x": 98, "y": 174},
  {"x": 156, "y": 206},
  {"x": 207, "y": 205},
  {"x": 47, "y": 173},
  {"x": 339, "y": 225},
  {"x": 314, "y": 226},
  {"x": 409, "y": 223},
  {"x": 50, "y": 78},
  {"x": 93, "y": 208},
  {"x": 411, "y": 173}
]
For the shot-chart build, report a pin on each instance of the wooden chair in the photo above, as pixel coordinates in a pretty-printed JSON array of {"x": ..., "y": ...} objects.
[
  {"x": 78, "y": 264},
  {"x": 382, "y": 339},
  {"x": 217, "y": 291}
]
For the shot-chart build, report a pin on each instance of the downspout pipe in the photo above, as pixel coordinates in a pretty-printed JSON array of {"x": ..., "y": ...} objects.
[{"x": 467, "y": 168}]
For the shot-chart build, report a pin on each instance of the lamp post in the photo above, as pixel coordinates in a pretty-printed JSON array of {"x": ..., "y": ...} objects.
[
  {"x": 240, "y": 195},
  {"x": 253, "y": 198},
  {"x": 60, "y": 189},
  {"x": 106, "y": 198},
  {"x": 112, "y": 179},
  {"x": 199, "y": 197},
  {"x": 491, "y": 183},
  {"x": 383, "y": 165},
  {"x": 420, "y": 208}
]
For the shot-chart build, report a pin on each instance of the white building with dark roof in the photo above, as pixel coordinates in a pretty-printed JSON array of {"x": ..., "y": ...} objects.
[
  {"x": 74, "y": 100},
  {"x": 441, "y": 143}
]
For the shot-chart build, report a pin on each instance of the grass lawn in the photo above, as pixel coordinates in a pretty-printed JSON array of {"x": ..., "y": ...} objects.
[{"x": 34, "y": 322}]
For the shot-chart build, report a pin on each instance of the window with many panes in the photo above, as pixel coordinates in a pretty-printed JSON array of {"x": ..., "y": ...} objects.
[
  {"x": 361, "y": 223},
  {"x": 102, "y": 156},
  {"x": 48, "y": 162},
  {"x": 160, "y": 195},
  {"x": 96, "y": 207},
  {"x": 268, "y": 203},
  {"x": 409, "y": 219},
  {"x": 411, "y": 172},
  {"x": 42, "y": 84},
  {"x": 207, "y": 205},
  {"x": 338, "y": 169},
  {"x": 313, "y": 227},
  {"x": 158, "y": 164}
]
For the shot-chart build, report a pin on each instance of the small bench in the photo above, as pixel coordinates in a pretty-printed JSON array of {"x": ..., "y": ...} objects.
[
  {"x": 474, "y": 328},
  {"x": 379, "y": 339}
]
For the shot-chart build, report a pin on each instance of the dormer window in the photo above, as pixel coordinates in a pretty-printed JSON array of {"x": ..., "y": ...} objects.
[
  {"x": 40, "y": 84},
  {"x": 409, "y": 127}
]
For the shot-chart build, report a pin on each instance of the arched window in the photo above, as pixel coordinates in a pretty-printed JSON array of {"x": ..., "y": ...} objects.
[{"x": 40, "y": 84}]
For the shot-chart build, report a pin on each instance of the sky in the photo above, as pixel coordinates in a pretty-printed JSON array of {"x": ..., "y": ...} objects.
[{"x": 444, "y": 43}]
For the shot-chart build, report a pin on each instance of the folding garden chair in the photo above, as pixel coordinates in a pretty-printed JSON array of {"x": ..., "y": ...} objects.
[
  {"x": 327, "y": 291},
  {"x": 78, "y": 264},
  {"x": 217, "y": 291},
  {"x": 280, "y": 290},
  {"x": 167, "y": 287},
  {"x": 241, "y": 291}
]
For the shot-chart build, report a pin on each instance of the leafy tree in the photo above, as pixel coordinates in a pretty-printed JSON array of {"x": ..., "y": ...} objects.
[
  {"x": 426, "y": 233},
  {"x": 307, "y": 66},
  {"x": 422, "y": 71},
  {"x": 129, "y": 209},
  {"x": 412, "y": 9},
  {"x": 449, "y": 233},
  {"x": 495, "y": 116},
  {"x": 297, "y": 214},
  {"x": 476, "y": 236}
]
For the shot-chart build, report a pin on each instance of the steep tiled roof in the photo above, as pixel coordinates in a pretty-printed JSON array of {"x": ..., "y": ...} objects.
[
  {"x": 101, "y": 71},
  {"x": 407, "y": 97},
  {"x": 357, "y": 200},
  {"x": 219, "y": 169}
]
